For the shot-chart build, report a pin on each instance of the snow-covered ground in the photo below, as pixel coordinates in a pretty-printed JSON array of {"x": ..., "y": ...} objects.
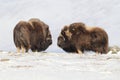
[{"x": 59, "y": 66}]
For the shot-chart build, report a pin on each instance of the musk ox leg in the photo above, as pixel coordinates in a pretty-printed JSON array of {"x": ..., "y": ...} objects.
[
  {"x": 97, "y": 53},
  {"x": 34, "y": 50},
  {"x": 79, "y": 51},
  {"x": 18, "y": 50},
  {"x": 23, "y": 49}
]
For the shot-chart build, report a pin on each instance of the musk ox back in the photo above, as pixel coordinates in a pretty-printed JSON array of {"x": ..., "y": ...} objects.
[
  {"x": 85, "y": 38},
  {"x": 35, "y": 34},
  {"x": 63, "y": 41}
]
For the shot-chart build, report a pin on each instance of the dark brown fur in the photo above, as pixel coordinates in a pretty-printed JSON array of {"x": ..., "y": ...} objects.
[
  {"x": 22, "y": 32},
  {"x": 63, "y": 41},
  {"x": 41, "y": 38},
  {"x": 34, "y": 35},
  {"x": 94, "y": 39}
]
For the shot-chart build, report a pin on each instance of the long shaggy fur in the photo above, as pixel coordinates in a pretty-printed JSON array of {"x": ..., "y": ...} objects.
[
  {"x": 34, "y": 35},
  {"x": 42, "y": 36},
  {"x": 78, "y": 35},
  {"x": 84, "y": 38},
  {"x": 22, "y": 32}
]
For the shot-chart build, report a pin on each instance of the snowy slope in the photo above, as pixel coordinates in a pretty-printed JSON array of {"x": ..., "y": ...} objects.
[
  {"x": 57, "y": 13},
  {"x": 59, "y": 66}
]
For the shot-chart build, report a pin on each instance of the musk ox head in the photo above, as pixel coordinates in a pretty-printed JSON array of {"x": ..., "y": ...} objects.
[
  {"x": 63, "y": 41},
  {"x": 47, "y": 37}
]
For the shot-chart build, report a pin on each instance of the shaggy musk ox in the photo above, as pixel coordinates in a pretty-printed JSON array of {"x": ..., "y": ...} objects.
[
  {"x": 34, "y": 35},
  {"x": 86, "y": 38},
  {"x": 63, "y": 41}
]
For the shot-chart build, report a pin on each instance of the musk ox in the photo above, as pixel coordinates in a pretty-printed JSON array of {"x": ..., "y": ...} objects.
[
  {"x": 63, "y": 41},
  {"x": 34, "y": 35},
  {"x": 86, "y": 38}
]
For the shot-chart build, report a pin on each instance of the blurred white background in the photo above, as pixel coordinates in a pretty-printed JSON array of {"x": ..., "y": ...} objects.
[{"x": 57, "y": 13}]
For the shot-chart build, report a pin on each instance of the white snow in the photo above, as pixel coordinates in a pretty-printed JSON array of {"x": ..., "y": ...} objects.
[{"x": 59, "y": 66}]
